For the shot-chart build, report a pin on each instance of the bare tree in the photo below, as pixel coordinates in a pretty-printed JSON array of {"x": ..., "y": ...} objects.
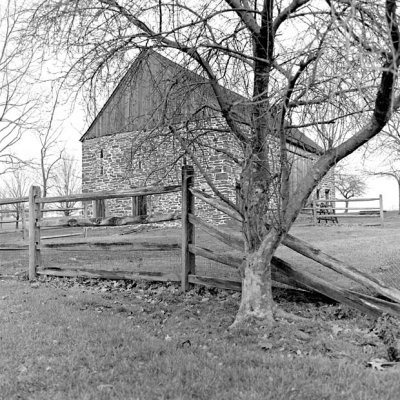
[
  {"x": 349, "y": 186},
  {"x": 50, "y": 156},
  {"x": 67, "y": 181},
  {"x": 297, "y": 64},
  {"x": 17, "y": 185},
  {"x": 16, "y": 104}
]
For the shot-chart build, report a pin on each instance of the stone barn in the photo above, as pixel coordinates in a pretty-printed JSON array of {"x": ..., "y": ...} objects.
[{"x": 158, "y": 114}]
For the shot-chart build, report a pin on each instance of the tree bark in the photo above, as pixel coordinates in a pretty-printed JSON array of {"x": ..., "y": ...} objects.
[
  {"x": 346, "y": 207},
  {"x": 257, "y": 302}
]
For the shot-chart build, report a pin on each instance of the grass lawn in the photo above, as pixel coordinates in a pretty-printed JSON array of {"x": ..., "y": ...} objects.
[
  {"x": 63, "y": 339},
  {"x": 85, "y": 339}
]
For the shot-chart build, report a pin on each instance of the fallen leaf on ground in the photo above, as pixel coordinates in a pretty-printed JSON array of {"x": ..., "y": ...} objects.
[{"x": 380, "y": 364}]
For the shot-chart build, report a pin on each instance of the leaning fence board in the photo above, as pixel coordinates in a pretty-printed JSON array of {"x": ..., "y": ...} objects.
[
  {"x": 364, "y": 278},
  {"x": 236, "y": 262},
  {"x": 143, "y": 191},
  {"x": 226, "y": 259},
  {"x": 112, "y": 275},
  {"x": 231, "y": 240},
  {"x": 313, "y": 253},
  {"x": 217, "y": 203},
  {"x": 216, "y": 282},
  {"x": 364, "y": 303},
  {"x": 234, "y": 284}
]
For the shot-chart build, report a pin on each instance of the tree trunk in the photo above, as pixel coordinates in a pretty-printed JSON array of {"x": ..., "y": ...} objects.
[
  {"x": 346, "y": 207},
  {"x": 257, "y": 302},
  {"x": 257, "y": 299}
]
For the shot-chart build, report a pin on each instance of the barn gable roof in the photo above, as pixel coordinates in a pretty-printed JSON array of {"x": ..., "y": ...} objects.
[{"x": 156, "y": 88}]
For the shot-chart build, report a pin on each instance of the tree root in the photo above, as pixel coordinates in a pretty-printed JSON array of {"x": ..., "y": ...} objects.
[{"x": 264, "y": 319}]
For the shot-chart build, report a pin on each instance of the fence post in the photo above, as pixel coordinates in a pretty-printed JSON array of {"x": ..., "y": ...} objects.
[
  {"x": 188, "y": 233},
  {"x": 85, "y": 209},
  {"x": 23, "y": 221},
  {"x": 34, "y": 231},
  {"x": 381, "y": 210},
  {"x": 314, "y": 212}
]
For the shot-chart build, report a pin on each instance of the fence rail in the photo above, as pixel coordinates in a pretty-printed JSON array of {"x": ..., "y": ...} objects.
[{"x": 326, "y": 210}]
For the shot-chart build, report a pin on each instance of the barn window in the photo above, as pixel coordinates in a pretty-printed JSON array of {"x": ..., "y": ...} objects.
[
  {"x": 101, "y": 162},
  {"x": 327, "y": 191},
  {"x": 318, "y": 194}
]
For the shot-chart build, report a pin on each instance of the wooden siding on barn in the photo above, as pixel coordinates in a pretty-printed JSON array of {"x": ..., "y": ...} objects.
[
  {"x": 156, "y": 92},
  {"x": 299, "y": 168}
]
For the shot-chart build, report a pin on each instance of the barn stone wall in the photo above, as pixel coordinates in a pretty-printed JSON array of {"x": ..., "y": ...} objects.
[{"x": 109, "y": 163}]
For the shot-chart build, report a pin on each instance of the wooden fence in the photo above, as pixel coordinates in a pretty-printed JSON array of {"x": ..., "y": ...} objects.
[
  {"x": 20, "y": 217},
  {"x": 327, "y": 210},
  {"x": 36, "y": 223},
  {"x": 282, "y": 271}
]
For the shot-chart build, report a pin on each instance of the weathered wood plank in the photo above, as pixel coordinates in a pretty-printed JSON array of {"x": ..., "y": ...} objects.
[
  {"x": 330, "y": 262},
  {"x": 366, "y": 304},
  {"x": 61, "y": 236},
  {"x": 235, "y": 283},
  {"x": 19, "y": 246},
  {"x": 142, "y": 191},
  {"x": 14, "y": 200},
  {"x": 217, "y": 203},
  {"x": 112, "y": 275},
  {"x": 345, "y": 200},
  {"x": 34, "y": 231},
  {"x": 236, "y": 262},
  {"x": 145, "y": 246},
  {"x": 322, "y": 216},
  {"x": 226, "y": 259},
  {"x": 46, "y": 210},
  {"x": 313, "y": 253},
  {"x": 188, "y": 230},
  {"x": 225, "y": 237},
  {"x": 216, "y": 282},
  {"x": 109, "y": 221},
  {"x": 11, "y": 248}
]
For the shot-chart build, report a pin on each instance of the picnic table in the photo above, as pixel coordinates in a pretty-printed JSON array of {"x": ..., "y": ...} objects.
[{"x": 325, "y": 212}]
